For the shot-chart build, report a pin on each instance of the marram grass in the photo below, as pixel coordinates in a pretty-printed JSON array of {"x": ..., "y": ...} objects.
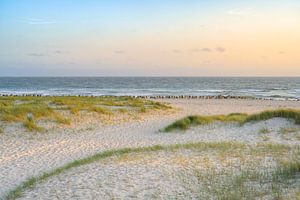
[
  {"x": 32, "y": 126},
  {"x": 241, "y": 118},
  {"x": 32, "y": 182},
  {"x": 285, "y": 171},
  {"x": 278, "y": 183},
  {"x": 50, "y": 108}
]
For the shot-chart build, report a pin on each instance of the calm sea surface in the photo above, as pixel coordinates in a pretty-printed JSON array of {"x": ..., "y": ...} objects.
[{"x": 199, "y": 86}]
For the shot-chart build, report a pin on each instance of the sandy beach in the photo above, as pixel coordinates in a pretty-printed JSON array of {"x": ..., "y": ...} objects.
[
  {"x": 133, "y": 100},
  {"x": 24, "y": 155}
]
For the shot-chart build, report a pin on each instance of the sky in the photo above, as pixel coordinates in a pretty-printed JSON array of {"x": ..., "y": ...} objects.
[{"x": 149, "y": 38}]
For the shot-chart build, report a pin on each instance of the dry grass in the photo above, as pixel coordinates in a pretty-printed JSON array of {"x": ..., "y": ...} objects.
[
  {"x": 287, "y": 130},
  {"x": 32, "y": 182},
  {"x": 32, "y": 126},
  {"x": 16, "y": 109},
  {"x": 220, "y": 184},
  {"x": 265, "y": 138},
  {"x": 279, "y": 183}
]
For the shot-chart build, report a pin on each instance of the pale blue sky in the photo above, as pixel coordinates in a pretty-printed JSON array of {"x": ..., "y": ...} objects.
[{"x": 149, "y": 37}]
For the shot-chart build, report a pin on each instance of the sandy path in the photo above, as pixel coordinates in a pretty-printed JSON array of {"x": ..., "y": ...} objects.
[{"x": 21, "y": 157}]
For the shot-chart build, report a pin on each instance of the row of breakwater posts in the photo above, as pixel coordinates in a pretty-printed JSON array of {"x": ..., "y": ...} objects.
[
  {"x": 216, "y": 97},
  {"x": 163, "y": 96}
]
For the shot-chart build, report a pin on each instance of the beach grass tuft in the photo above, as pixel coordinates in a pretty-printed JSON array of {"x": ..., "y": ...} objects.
[
  {"x": 187, "y": 122},
  {"x": 269, "y": 114},
  {"x": 264, "y": 130},
  {"x": 31, "y": 125},
  {"x": 287, "y": 130},
  {"x": 241, "y": 118}
]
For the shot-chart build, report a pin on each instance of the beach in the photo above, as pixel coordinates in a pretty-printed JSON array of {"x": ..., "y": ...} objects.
[
  {"x": 163, "y": 100},
  {"x": 31, "y": 154}
]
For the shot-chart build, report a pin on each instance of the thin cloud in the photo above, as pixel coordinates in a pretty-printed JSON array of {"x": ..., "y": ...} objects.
[
  {"x": 220, "y": 49},
  {"x": 57, "y": 52},
  {"x": 61, "y": 52},
  {"x": 36, "y": 54},
  {"x": 281, "y": 52},
  {"x": 35, "y": 21},
  {"x": 238, "y": 11},
  {"x": 206, "y": 49},
  {"x": 209, "y": 50},
  {"x": 176, "y": 51},
  {"x": 195, "y": 50}
]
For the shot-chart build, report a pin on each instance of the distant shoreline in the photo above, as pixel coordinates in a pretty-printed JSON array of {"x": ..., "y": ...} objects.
[
  {"x": 149, "y": 76},
  {"x": 162, "y": 96}
]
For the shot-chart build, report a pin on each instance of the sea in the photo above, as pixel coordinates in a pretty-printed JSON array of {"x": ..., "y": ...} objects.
[{"x": 278, "y": 88}]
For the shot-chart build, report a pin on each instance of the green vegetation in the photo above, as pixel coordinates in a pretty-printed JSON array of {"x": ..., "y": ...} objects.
[
  {"x": 283, "y": 113},
  {"x": 287, "y": 130},
  {"x": 32, "y": 126},
  {"x": 289, "y": 133},
  {"x": 264, "y": 131},
  {"x": 187, "y": 122},
  {"x": 265, "y": 138},
  {"x": 56, "y": 108},
  {"x": 252, "y": 184},
  {"x": 31, "y": 182},
  {"x": 235, "y": 186}
]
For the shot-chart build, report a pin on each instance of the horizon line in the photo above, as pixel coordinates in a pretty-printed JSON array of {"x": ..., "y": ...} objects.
[{"x": 143, "y": 76}]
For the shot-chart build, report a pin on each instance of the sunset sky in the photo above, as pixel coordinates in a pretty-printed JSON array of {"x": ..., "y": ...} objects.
[{"x": 150, "y": 38}]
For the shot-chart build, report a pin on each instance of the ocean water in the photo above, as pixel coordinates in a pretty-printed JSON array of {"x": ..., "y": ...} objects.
[{"x": 276, "y": 88}]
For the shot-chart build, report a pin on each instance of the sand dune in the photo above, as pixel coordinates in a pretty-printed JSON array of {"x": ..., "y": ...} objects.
[{"x": 23, "y": 157}]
